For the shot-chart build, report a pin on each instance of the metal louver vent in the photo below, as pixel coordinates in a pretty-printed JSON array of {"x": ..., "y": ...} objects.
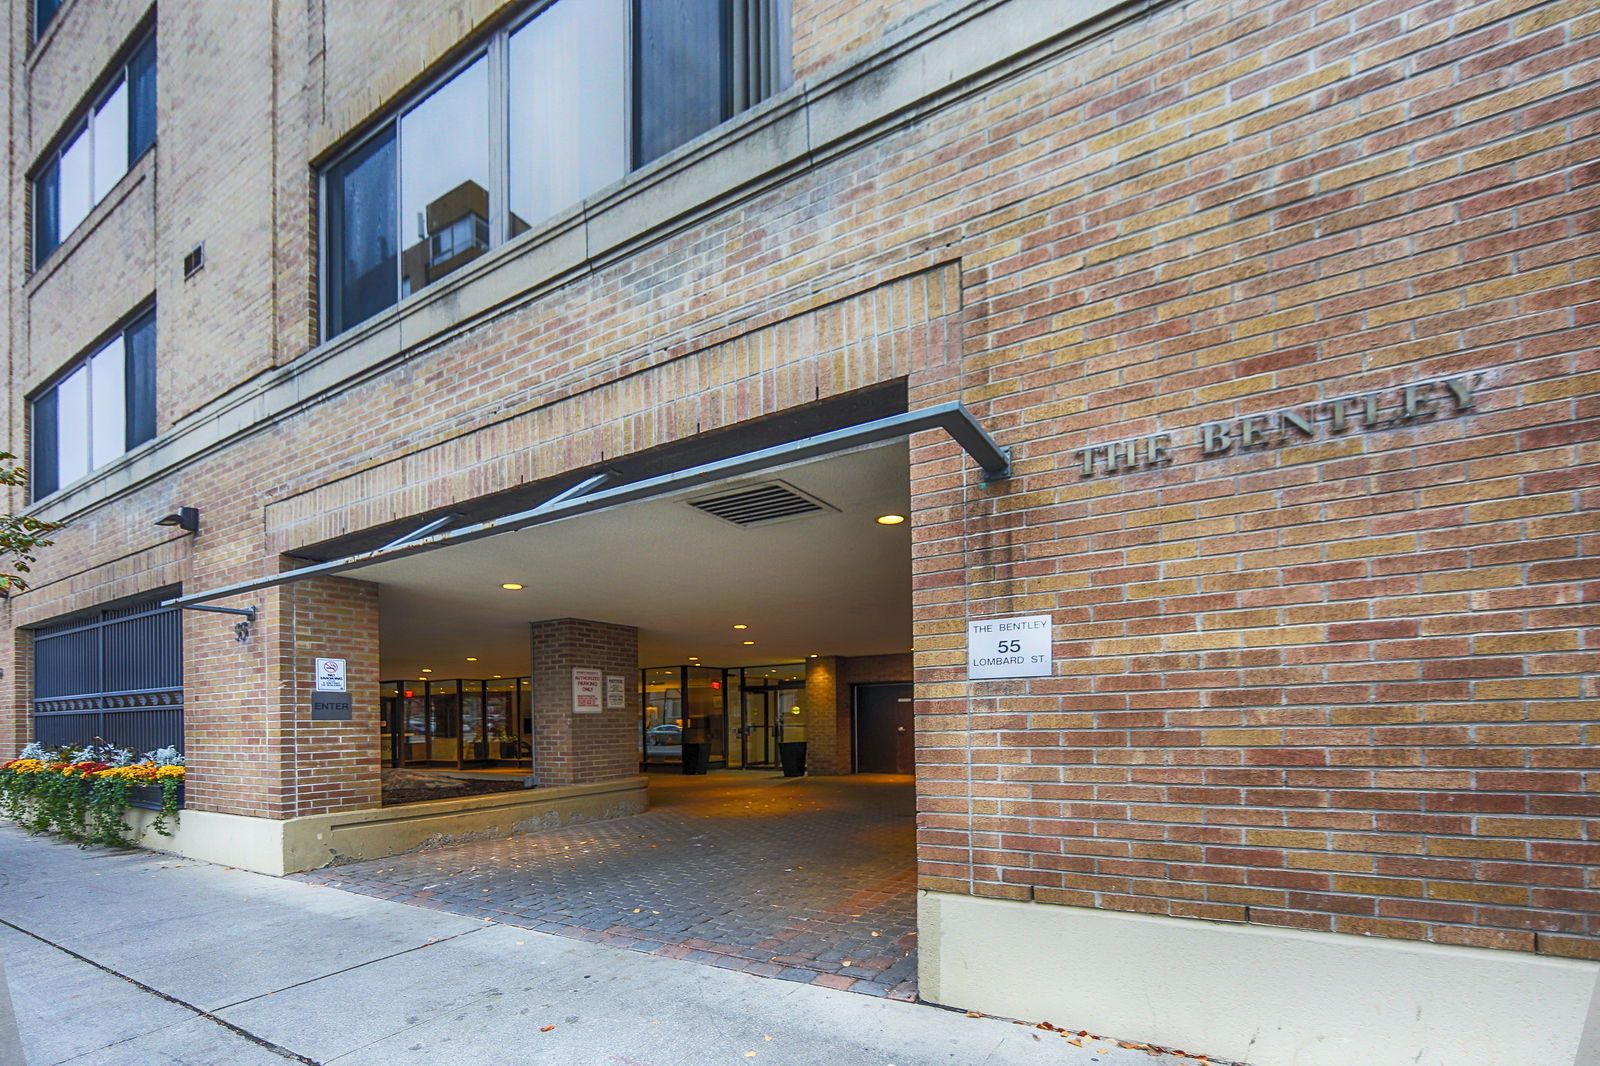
[{"x": 752, "y": 505}]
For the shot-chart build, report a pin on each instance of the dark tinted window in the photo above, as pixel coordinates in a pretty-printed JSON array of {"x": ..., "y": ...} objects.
[
  {"x": 46, "y": 212},
  {"x": 43, "y": 12},
  {"x": 43, "y": 464},
  {"x": 362, "y": 234},
  {"x": 140, "y": 340},
  {"x": 142, "y": 106},
  {"x": 680, "y": 83}
]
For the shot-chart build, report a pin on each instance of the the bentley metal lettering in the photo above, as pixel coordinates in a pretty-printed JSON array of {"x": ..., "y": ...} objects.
[{"x": 1387, "y": 409}]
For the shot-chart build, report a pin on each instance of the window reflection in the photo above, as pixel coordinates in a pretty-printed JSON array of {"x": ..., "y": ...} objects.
[
  {"x": 444, "y": 179},
  {"x": 361, "y": 251},
  {"x": 110, "y": 140},
  {"x": 469, "y": 168},
  {"x": 77, "y": 182},
  {"x": 569, "y": 131}
]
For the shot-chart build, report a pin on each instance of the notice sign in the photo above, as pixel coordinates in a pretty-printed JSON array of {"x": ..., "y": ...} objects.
[
  {"x": 1009, "y": 647},
  {"x": 616, "y": 693},
  {"x": 587, "y": 685},
  {"x": 331, "y": 707},
  {"x": 330, "y": 675}
]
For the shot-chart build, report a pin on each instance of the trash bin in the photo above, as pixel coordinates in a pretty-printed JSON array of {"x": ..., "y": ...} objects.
[
  {"x": 792, "y": 753},
  {"x": 696, "y": 757}
]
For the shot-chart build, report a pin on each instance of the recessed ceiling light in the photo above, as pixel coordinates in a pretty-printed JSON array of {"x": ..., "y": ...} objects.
[
  {"x": 472, "y": 658},
  {"x": 694, "y": 658},
  {"x": 497, "y": 676},
  {"x": 747, "y": 642},
  {"x": 511, "y": 586},
  {"x": 890, "y": 519},
  {"x": 740, "y": 625},
  {"x": 813, "y": 655}
]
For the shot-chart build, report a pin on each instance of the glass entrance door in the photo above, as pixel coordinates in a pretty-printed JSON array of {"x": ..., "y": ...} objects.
[{"x": 772, "y": 715}]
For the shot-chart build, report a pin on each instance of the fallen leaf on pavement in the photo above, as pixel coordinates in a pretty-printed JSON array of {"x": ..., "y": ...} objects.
[{"x": 547, "y": 1028}]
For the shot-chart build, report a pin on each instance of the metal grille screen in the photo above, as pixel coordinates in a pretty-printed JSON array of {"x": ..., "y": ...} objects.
[{"x": 118, "y": 676}]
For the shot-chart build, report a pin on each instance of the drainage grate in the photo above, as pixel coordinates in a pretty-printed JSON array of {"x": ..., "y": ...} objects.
[{"x": 752, "y": 505}]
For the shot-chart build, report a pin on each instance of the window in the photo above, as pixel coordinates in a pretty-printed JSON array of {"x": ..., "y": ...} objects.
[
  {"x": 43, "y": 12},
  {"x": 100, "y": 408},
  {"x": 554, "y": 108},
  {"x": 99, "y": 147}
]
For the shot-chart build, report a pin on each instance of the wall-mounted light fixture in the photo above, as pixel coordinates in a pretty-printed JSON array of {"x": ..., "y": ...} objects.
[{"x": 185, "y": 518}]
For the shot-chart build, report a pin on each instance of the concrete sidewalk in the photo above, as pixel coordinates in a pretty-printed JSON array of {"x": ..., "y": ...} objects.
[{"x": 129, "y": 957}]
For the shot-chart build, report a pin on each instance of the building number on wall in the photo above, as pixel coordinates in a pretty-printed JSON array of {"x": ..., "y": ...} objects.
[{"x": 1009, "y": 647}]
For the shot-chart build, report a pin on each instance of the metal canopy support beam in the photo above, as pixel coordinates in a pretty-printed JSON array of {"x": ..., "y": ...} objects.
[
  {"x": 420, "y": 532},
  {"x": 586, "y": 497},
  {"x": 248, "y": 612}
]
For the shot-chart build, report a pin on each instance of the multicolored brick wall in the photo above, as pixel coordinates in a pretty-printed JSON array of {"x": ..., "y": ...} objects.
[
  {"x": 1341, "y": 683},
  {"x": 1332, "y": 681}
]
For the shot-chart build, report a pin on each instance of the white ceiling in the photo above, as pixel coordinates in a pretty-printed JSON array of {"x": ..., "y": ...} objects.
[{"x": 836, "y": 583}]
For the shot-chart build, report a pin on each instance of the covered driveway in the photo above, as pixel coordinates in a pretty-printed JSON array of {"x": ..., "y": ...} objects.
[{"x": 803, "y": 879}]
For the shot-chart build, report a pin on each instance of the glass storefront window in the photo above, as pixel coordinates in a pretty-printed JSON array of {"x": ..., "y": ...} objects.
[
  {"x": 664, "y": 719},
  {"x": 708, "y": 723},
  {"x": 457, "y": 722}
]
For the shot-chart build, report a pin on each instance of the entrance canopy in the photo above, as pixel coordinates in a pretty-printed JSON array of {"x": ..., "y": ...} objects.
[
  {"x": 826, "y": 581},
  {"x": 787, "y": 534}
]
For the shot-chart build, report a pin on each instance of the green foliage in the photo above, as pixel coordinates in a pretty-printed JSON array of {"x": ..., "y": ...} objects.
[
  {"x": 21, "y": 536},
  {"x": 83, "y": 810}
]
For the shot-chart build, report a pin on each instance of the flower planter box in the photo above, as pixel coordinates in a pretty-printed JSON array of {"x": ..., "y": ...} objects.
[{"x": 149, "y": 796}]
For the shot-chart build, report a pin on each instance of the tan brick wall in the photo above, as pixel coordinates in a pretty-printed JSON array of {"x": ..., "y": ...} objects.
[
  {"x": 827, "y": 31},
  {"x": 251, "y": 744},
  {"x": 576, "y": 749}
]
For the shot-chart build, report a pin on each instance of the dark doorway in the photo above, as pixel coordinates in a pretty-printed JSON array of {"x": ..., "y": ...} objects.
[{"x": 884, "y": 729}]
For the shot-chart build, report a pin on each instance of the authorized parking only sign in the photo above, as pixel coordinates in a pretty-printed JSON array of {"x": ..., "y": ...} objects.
[{"x": 1009, "y": 647}]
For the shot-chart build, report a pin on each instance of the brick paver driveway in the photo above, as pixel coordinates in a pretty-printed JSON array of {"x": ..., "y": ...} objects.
[{"x": 804, "y": 879}]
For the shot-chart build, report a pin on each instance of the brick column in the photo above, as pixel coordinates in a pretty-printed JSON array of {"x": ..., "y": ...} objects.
[
  {"x": 251, "y": 744},
  {"x": 575, "y": 749},
  {"x": 16, "y": 658},
  {"x": 828, "y": 748}
]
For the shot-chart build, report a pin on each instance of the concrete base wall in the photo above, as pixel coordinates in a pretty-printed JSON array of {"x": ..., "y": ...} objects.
[
  {"x": 1273, "y": 997},
  {"x": 274, "y": 846}
]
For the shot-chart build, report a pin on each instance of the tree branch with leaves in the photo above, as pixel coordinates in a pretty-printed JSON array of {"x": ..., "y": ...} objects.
[{"x": 21, "y": 536}]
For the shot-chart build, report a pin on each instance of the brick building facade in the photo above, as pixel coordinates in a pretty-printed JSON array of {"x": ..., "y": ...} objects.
[{"x": 1284, "y": 310}]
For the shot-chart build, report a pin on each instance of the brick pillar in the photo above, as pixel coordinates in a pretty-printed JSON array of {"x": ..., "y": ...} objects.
[
  {"x": 252, "y": 746},
  {"x": 828, "y": 740},
  {"x": 577, "y": 748},
  {"x": 16, "y": 658}
]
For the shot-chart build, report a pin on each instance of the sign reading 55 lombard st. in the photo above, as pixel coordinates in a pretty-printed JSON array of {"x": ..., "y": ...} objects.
[{"x": 1009, "y": 647}]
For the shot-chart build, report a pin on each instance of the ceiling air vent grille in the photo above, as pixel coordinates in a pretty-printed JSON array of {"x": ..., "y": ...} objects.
[{"x": 753, "y": 505}]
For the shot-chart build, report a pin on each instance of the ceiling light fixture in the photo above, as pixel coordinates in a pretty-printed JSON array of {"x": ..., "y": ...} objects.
[
  {"x": 747, "y": 642},
  {"x": 511, "y": 586},
  {"x": 740, "y": 625},
  {"x": 472, "y": 658},
  {"x": 890, "y": 519},
  {"x": 427, "y": 669}
]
